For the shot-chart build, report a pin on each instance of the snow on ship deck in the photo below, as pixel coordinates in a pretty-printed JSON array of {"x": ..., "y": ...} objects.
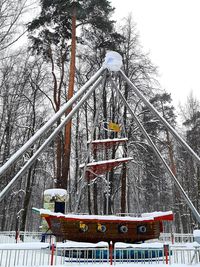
[{"x": 153, "y": 216}]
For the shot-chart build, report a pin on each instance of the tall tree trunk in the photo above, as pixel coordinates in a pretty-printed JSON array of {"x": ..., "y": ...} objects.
[
  {"x": 123, "y": 189},
  {"x": 29, "y": 185},
  {"x": 178, "y": 209},
  {"x": 171, "y": 154},
  {"x": 106, "y": 197},
  {"x": 3, "y": 214},
  {"x": 58, "y": 158},
  {"x": 124, "y": 169},
  {"x": 95, "y": 187},
  {"x": 88, "y": 182},
  {"x": 95, "y": 198},
  {"x": 67, "y": 144},
  {"x": 77, "y": 153}
]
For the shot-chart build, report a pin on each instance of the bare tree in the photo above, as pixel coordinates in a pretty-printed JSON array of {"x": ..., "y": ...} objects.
[
  {"x": 13, "y": 17},
  {"x": 22, "y": 112},
  {"x": 188, "y": 169}
]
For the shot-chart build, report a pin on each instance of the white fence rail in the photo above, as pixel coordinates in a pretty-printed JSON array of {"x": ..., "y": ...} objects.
[
  {"x": 23, "y": 255},
  {"x": 184, "y": 255},
  {"x": 176, "y": 238},
  {"x": 12, "y": 237},
  {"x": 41, "y": 254}
]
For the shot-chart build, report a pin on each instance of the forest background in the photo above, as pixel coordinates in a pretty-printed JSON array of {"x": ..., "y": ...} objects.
[{"x": 35, "y": 81}]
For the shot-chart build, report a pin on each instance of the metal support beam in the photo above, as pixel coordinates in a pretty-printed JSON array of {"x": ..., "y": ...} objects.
[
  {"x": 169, "y": 127},
  {"x": 49, "y": 139},
  {"x": 158, "y": 154},
  {"x": 50, "y": 122}
]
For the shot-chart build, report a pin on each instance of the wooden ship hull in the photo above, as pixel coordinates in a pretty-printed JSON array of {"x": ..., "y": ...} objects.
[{"x": 91, "y": 228}]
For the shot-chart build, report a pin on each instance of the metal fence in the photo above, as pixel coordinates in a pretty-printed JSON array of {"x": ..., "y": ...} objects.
[
  {"x": 173, "y": 255},
  {"x": 13, "y": 237},
  {"x": 184, "y": 255},
  {"x": 176, "y": 238},
  {"x": 46, "y": 255},
  {"x": 21, "y": 256},
  {"x": 77, "y": 255}
]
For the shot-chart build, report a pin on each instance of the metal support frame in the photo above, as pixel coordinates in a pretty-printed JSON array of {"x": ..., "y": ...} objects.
[
  {"x": 50, "y": 122},
  {"x": 49, "y": 139},
  {"x": 169, "y": 127},
  {"x": 96, "y": 79},
  {"x": 158, "y": 154}
]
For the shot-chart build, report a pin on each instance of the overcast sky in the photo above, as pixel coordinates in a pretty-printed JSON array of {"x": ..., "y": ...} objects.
[{"x": 170, "y": 31}]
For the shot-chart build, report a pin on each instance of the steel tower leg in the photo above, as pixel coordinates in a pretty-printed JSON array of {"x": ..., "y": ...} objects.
[
  {"x": 50, "y": 122},
  {"x": 169, "y": 127},
  {"x": 49, "y": 139},
  {"x": 158, "y": 154}
]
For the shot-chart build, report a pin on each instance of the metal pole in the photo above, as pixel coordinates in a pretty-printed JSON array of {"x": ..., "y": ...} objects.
[
  {"x": 169, "y": 127},
  {"x": 158, "y": 154},
  {"x": 50, "y": 122},
  {"x": 49, "y": 139}
]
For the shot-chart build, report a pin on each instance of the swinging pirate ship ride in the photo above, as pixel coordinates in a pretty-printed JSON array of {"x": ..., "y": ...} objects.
[{"x": 95, "y": 228}]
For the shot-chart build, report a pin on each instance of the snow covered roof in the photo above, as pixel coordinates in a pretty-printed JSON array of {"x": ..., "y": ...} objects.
[
  {"x": 55, "y": 191},
  {"x": 109, "y": 140},
  {"x": 100, "y": 167},
  {"x": 158, "y": 214},
  {"x": 106, "y": 162},
  {"x": 113, "y": 61}
]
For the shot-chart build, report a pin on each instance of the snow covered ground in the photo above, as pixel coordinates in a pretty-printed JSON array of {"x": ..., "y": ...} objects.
[{"x": 120, "y": 265}]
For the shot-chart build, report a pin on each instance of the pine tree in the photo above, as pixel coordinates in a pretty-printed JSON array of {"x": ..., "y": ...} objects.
[{"x": 51, "y": 33}]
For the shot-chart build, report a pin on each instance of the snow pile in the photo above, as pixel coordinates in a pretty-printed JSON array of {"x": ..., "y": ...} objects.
[
  {"x": 22, "y": 246},
  {"x": 154, "y": 245},
  {"x": 196, "y": 233},
  {"x": 73, "y": 244},
  {"x": 113, "y": 61}
]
